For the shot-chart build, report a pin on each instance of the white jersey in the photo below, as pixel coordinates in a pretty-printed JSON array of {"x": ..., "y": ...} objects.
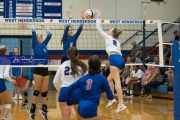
[
  {"x": 64, "y": 77},
  {"x": 4, "y": 72},
  {"x": 138, "y": 74},
  {"x": 111, "y": 43}
]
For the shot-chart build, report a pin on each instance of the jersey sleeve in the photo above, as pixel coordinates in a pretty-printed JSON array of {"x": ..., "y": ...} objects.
[
  {"x": 107, "y": 89},
  {"x": 34, "y": 40},
  {"x": 98, "y": 26},
  {"x": 69, "y": 91},
  {"x": 65, "y": 33},
  {"x": 48, "y": 37},
  {"x": 139, "y": 74},
  {"x": 57, "y": 79},
  {"x": 78, "y": 31},
  {"x": 6, "y": 73}
]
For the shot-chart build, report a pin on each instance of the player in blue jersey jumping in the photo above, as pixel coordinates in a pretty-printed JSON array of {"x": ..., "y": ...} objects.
[
  {"x": 113, "y": 49},
  {"x": 91, "y": 86},
  {"x": 41, "y": 77},
  {"x": 67, "y": 74},
  {"x": 68, "y": 39}
]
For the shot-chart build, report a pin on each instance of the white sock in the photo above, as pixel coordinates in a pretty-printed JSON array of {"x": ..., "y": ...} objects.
[
  {"x": 131, "y": 92},
  {"x": 127, "y": 91},
  {"x": 121, "y": 102}
]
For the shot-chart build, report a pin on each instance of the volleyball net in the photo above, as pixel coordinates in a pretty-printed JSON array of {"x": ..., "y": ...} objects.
[{"x": 17, "y": 33}]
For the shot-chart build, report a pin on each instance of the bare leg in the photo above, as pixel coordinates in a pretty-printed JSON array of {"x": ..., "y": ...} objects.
[
  {"x": 63, "y": 106},
  {"x": 5, "y": 96},
  {"x": 77, "y": 114}
]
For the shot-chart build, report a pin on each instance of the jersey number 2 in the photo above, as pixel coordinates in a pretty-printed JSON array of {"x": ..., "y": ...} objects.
[
  {"x": 89, "y": 83},
  {"x": 67, "y": 71},
  {"x": 114, "y": 43}
]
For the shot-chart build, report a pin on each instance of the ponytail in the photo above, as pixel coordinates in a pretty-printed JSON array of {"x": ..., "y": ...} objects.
[
  {"x": 116, "y": 32},
  {"x": 75, "y": 63}
]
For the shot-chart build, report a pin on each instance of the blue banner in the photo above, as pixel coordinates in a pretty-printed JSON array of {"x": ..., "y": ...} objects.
[{"x": 22, "y": 60}]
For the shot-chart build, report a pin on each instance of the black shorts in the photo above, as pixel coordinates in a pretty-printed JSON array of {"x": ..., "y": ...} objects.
[
  {"x": 43, "y": 71},
  {"x": 64, "y": 59}
]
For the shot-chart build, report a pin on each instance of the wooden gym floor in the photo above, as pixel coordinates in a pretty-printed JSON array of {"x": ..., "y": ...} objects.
[{"x": 137, "y": 109}]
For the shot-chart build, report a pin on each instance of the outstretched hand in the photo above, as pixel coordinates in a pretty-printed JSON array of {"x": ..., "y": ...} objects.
[
  {"x": 42, "y": 25},
  {"x": 69, "y": 14},
  {"x": 83, "y": 14},
  {"x": 97, "y": 11}
]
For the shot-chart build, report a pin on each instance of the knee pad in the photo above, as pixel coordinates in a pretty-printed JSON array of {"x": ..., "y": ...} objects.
[
  {"x": 117, "y": 86},
  {"x": 36, "y": 92},
  {"x": 25, "y": 93},
  {"x": 7, "y": 106},
  {"x": 44, "y": 94}
]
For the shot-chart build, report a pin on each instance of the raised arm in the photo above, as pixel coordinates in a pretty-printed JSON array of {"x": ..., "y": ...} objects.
[
  {"x": 57, "y": 79},
  {"x": 34, "y": 40},
  {"x": 98, "y": 24},
  {"x": 69, "y": 91},
  {"x": 107, "y": 89},
  {"x": 65, "y": 33},
  {"x": 78, "y": 31},
  {"x": 49, "y": 34}
]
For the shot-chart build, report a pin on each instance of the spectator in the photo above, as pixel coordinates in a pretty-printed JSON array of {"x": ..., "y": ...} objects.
[
  {"x": 125, "y": 74},
  {"x": 135, "y": 59},
  {"x": 140, "y": 54},
  {"x": 169, "y": 74},
  {"x": 166, "y": 54},
  {"x": 128, "y": 59},
  {"x": 134, "y": 79},
  {"x": 154, "y": 80},
  {"x": 176, "y": 35},
  {"x": 156, "y": 61},
  {"x": 135, "y": 48},
  {"x": 106, "y": 69},
  {"x": 145, "y": 78}
]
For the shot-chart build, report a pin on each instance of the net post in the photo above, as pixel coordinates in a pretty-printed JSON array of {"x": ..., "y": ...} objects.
[
  {"x": 176, "y": 77},
  {"x": 144, "y": 42}
]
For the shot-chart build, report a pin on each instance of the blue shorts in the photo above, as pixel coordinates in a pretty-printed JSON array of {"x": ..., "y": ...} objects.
[
  {"x": 2, "y": 85},
  {"x": 87, "y": 108},
  {"x": 76, "y": 95},
  {"x": 117, "y": 61}
]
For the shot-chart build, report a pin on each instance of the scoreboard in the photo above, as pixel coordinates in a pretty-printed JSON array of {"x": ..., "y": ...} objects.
[{"x": 41, "y": 9}]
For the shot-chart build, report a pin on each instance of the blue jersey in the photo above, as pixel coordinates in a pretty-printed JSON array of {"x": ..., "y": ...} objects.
[
  {"x": 91, "y": 88},
  {"x": 40, "y": 50},
  {"x": 67, "y": 40},
  {"x": 16, "y": 71}
]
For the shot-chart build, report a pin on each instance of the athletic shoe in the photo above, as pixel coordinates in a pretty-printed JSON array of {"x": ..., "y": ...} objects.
[
  {"x": 25, "y": 103},
  {"x": 15, "y": 97},
  {"x": 127, "y": 95},
  {"x": 111, "y": 103},
  {"x": 120, "y": 108},
  {"x": 44, "y": 114},
  {"x": 20, "y": 97},
  {"x": 32, "y": 115}
]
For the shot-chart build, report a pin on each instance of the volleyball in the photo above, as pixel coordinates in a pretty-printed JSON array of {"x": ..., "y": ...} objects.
[{"x": 90, "y": 14}]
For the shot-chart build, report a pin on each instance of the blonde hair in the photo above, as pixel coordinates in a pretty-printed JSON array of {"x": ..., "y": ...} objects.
[
  {"x": 116, "y": 32},
  {"x": 3, "y": 49}
]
